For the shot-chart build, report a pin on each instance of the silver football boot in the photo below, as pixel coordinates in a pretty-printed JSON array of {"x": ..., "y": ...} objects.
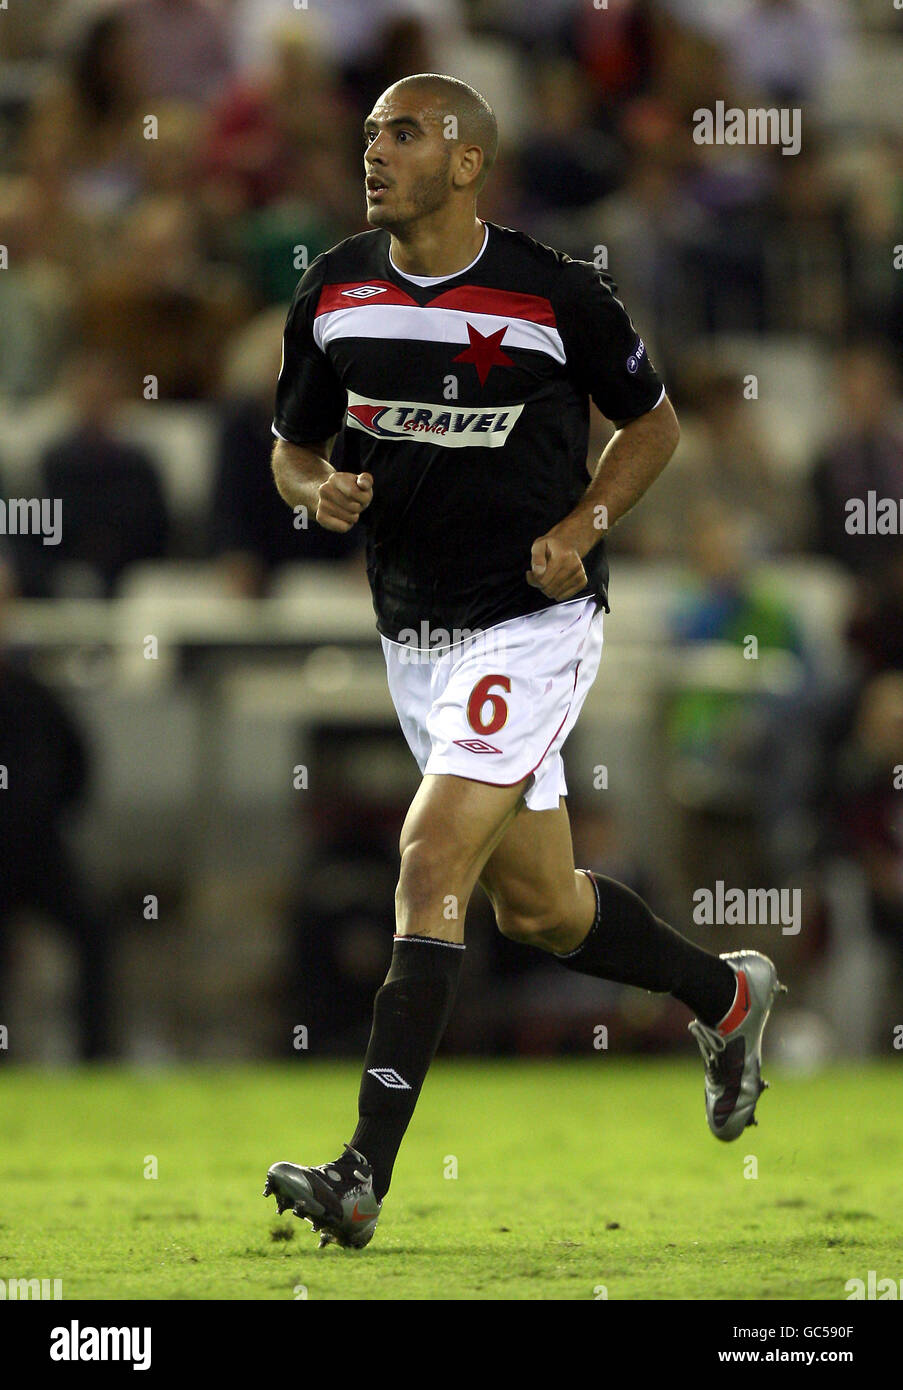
[
  {"x": 732, "y": 1057},
  {"x": 339, "y": 1204}
]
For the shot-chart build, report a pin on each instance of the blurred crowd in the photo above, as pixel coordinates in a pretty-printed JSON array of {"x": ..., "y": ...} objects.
[{"x": 164, "y": 160}]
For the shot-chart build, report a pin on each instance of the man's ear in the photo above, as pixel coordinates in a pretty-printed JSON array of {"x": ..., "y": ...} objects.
[{"x": 470, "y": 162}]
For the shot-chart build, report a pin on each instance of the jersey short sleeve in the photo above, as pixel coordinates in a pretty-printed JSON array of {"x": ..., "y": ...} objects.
[
  {"x": 310, "y": 398},
  {"x": 606, "y": 356}
]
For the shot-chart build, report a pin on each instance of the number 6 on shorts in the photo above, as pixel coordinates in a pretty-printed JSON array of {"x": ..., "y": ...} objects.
[{"x": 480, "y": 696}]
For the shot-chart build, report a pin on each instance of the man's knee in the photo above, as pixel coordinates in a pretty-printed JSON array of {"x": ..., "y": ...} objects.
[{"x": 537, "y": 924}]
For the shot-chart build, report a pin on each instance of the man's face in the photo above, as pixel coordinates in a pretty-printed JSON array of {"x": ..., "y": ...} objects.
[{"x": 407, "y": 158}]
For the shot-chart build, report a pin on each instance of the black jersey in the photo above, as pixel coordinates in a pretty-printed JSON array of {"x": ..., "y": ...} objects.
[{"x": 468, "y": 402}]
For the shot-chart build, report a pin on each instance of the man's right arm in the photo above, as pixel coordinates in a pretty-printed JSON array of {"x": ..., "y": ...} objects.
[
  {"x": 304, "y": 477},
  {"x": 298, "y": 471}
]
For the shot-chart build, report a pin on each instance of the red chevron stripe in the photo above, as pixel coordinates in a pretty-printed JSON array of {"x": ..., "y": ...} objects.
[
  {"x": 332, "y": 296},
  {"x": 467, "y": 299},
  {"x": 505, "y": 304}
]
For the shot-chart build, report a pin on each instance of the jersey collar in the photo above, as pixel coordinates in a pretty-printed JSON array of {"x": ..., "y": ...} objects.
[{"x": 427, "y": 281}]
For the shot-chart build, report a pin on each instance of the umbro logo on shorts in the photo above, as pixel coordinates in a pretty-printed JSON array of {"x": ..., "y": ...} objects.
[
  {"x": 389, "y": 1077},
  {"x": 476, "y": 745},
  {"x": 364, "y": 291}
]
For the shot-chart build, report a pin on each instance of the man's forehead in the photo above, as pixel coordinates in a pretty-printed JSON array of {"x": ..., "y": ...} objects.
[{"x": 424, "y": 106}]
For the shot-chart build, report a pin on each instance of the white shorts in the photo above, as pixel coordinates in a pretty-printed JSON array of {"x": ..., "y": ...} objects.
[{"x": 497, "y": 707}]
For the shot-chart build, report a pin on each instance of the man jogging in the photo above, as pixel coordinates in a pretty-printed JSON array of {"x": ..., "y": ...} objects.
[{"x": 456, "y": 359}]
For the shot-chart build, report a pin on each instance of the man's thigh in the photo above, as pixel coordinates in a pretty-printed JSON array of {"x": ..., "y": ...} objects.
[
  {"x": 452, "y": 828},
  {"x": 532, "y": 866}
]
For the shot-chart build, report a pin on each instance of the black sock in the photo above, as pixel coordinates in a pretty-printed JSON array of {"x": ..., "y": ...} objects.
[
  {"x": 627, "y": 943},
  {"x": 410, "y": 1014}
]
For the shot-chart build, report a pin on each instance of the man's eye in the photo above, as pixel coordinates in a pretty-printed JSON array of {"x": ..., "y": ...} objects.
[{"x": 370, "y": 136}]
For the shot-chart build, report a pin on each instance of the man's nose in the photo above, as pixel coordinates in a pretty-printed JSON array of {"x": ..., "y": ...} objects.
[{"x": 374, "y": 151}]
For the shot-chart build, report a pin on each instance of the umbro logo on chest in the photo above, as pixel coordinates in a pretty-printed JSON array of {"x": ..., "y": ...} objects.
[{"x": 364, "y": 291}]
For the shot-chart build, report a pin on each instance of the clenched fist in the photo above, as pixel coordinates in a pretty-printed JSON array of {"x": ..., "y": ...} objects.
[
  {"x": 555, "y": 568},
  {"x": 342, "y": 498}
]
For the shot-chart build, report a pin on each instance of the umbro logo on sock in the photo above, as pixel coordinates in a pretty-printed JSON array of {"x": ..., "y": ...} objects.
[{"x": 389, "y": 1077}]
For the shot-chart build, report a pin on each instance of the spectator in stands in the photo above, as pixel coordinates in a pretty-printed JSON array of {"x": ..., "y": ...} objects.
[
  {"x": 354, "y": 34},
  {"x": 730, "y": 728},
  {"x": 26, "y": 32},
  {"x": 567, "y": 161},
  {"x": 35, "y": 299},
  {"x": 865, "y": 801},
  {"x": 876, "y": 628},
  {"x": 723, "y": 458},
  {"x": 404, "y": 44},
  {"x": 785, "y": 50},
  {"x": 89, "y": 112},
  {"x": 253, "y": 531},
  {"x": 8, "y": 582},
  {"x": 865, "y": 456},
  {"x": 807, "y": 240},
  {"x": 113, "y": 508},
  {"x": 279, "y": 172},
  {"x": 171, "y": 164},
  {"x": 644, "y": 227},
  {"x": 615, "y": 49},
  {"x": 22, "y": 570},
  {"x": 159, "y": 306},
  {"x": 44, "y": 764},
  {"x": 870, "y": 172},
  {"x": 260, "y": 127},
  {"x": 9, "y": 579},
  {"x": 183, "y": 47}
]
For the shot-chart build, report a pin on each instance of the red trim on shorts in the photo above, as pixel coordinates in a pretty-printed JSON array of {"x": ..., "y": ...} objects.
[{"x": 564, "y": 720}]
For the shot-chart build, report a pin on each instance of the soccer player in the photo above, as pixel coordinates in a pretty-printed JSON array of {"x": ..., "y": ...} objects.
[{"x": 455, "y": 360}]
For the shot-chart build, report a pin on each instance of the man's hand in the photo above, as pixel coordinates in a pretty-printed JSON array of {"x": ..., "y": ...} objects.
[
  {"x": 556, "y": 568},
  {"x": 342, "y": 498}
]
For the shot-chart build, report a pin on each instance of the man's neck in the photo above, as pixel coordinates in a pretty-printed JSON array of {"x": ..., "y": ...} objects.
[{"x": 429, "y": 250}]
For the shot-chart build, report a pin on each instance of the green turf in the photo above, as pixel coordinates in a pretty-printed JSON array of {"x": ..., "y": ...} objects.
[{"x": 570, "y": 1176}]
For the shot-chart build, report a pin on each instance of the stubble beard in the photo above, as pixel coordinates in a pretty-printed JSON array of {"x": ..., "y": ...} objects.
[{"x": 428, "y": 195}]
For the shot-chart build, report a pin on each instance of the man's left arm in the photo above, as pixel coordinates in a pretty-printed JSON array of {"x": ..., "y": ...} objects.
[{"x": 631, "y": 461}]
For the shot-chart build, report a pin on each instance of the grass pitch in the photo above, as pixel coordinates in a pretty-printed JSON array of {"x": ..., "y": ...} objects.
[{"x": 571, "y": 1178}]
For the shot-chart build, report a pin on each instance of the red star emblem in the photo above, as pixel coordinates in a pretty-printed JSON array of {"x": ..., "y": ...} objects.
[{"x": 485, "y": 353}]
